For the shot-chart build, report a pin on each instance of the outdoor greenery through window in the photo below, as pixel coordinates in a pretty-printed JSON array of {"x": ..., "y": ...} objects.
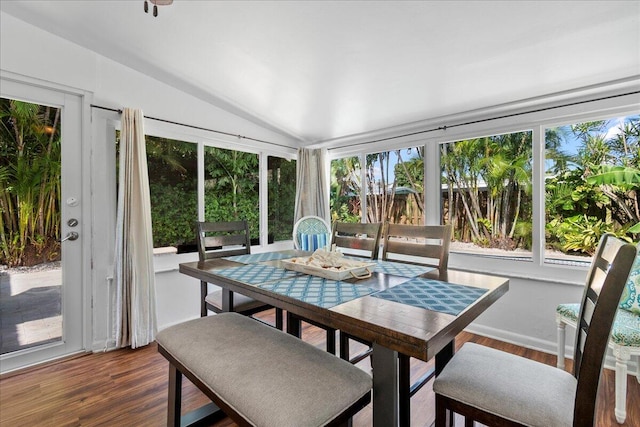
[
  {"x": 486, "y": 194},
  {"x": 231, "y": 191},
  {"x": 592, "y": 184},
  {"x": 231, "y": 188},
  {"x": 281, "y": 176},
  {"x": 394, "y": 183},
  {"x": 173, "y": 179},
  {"x": 344, "y": 198},
  {"x": 30, "y": 171}
]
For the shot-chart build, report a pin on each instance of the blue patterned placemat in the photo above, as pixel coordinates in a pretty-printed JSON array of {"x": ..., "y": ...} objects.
[
  {"x": 401, "y": 269},
  {"x": 433, "y": 295},
  {"x": 255, "y": 258},
  {"x": 256, "y": 273},
  {"x": 318, "y": 291}
]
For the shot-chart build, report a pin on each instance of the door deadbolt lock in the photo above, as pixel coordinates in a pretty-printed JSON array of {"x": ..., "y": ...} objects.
[
  {"x": 72, "y": 235},
  {"x": 72, "y": 222}
]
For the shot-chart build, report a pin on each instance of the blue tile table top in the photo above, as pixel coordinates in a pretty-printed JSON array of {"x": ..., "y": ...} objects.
[
  {"x": 433, "y": 295},
  {"x": 256, "y": 258},
  {"x": 255, "y": 274},
  {"x": 401, "y": 269},
  {"x": 318, "y": 291}
]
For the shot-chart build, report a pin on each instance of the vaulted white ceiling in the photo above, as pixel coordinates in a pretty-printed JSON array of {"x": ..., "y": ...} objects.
[{"x": 319, "y": 70}]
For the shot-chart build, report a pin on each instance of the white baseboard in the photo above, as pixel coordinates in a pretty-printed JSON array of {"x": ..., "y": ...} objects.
[{"x": 542, "y": 345}]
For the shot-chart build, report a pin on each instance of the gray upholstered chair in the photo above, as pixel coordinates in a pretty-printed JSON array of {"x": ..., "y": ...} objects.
[
  {"x": 225, "y": 239},
  {"x": 499, "y": 388}
]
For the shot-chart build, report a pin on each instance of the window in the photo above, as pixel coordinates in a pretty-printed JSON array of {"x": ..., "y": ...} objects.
[
  {"x": 394, "y": 182},
  {"x": 231, "y": 188},
  {"x": 173, "y": 189},
  {"x": 345, "y": 189},
  {"x": 395, "y": 186},
  {"x": 281, "y": 176},
  {"x": 486, "y": 194},
  {"x": 592, "y": 185},
  {"x": 231, "y": 191}
]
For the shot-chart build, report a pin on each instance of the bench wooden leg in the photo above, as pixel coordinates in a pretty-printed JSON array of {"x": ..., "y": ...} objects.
[
  {"x": 175, "y": 397},
  {"x": 279, "y": 322}
]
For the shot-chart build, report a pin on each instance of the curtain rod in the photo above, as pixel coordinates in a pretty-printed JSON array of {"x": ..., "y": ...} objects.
[
  {"x": 119, "y": 111},
  {"x": 445, "y": 127}
]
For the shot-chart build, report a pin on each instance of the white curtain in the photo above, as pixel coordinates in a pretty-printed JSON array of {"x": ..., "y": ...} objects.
[
  {"x": 311, "y": 184},
  {"x": 135, "y": 302}
]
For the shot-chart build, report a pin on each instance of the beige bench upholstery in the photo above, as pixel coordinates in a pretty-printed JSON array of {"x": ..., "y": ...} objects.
[{"x": 259, "y": 375}]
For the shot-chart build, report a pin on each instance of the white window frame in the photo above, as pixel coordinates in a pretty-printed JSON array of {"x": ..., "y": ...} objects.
[{"x": 575, "y": 110}]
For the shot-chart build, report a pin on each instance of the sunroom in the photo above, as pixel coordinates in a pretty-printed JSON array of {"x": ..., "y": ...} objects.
[{"x": 516, "y": 123}]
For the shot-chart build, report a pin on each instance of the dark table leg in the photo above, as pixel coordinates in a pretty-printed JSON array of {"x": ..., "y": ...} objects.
[
  {"x": 385, "y": 386},
  {"x": 442, "y": 358}
]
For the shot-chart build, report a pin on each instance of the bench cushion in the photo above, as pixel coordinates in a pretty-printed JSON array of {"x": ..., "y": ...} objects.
[
  {"x": 269, "y": 377},
  {"x": 513, "y": 387}
]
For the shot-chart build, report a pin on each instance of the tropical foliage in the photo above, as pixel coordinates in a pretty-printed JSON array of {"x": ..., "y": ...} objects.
[
  {"x": 231, "y": 191},
  {"x": 592, "y": 186},
  {"x": 30, "y": 159}
]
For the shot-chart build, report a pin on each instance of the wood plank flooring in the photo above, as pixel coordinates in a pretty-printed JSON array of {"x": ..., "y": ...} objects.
[{"x": 129, "y": 388}]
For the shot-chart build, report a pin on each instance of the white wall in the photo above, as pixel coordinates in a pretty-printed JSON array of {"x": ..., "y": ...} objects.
[{"x": 525, "y": 316}]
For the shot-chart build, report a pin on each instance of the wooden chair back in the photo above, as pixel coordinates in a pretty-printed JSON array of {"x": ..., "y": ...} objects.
[
  {"x": 428, "y": 244},
  {"x": 605, "y": 282},
  {"x": 359, "y": 239},
  {"x": 221, "y": 239}
]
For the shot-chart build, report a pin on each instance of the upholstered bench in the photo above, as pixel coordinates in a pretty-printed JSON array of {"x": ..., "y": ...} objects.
[
  {"x": 260, "y": 376},
  {"x": 624, "y": 342}
]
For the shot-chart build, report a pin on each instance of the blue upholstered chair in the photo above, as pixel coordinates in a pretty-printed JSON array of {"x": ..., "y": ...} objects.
[
  {"x": 311, "y": 233},
  {"x": 624, "y": 340}
]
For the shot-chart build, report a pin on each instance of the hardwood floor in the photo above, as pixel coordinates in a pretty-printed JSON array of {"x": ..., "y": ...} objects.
[{"x": 129, "y": 388}]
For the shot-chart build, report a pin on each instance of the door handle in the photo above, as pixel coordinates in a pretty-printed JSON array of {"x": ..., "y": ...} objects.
[{"x": 72, "y": 235}]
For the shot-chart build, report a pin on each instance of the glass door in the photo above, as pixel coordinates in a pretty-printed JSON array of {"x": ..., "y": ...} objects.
[{"x": 41, "y": 223}]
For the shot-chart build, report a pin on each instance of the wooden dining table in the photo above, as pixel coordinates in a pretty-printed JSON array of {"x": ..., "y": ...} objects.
[{"x": 400, "y": 308}]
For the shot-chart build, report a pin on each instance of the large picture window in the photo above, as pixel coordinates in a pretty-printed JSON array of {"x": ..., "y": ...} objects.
[
  {"x": 487, "y": 194},
  {"x": 345, "y": 191},
  {"x": 281, "y": 176},
  {"x": 592, "y": 185},
  {"x": 394, "y": 187},
  {"x": 231, "y": 188},
  {"x": 173, "y": 189},
  {"x": 231, "y": 191}
]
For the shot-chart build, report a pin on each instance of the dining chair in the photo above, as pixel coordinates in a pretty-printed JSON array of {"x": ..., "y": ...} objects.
[
  {"x": 624, "y": 340},
  {"x": 311, "y": 233},
  {"x": 426, "y": 245},
  {"x": 362, "y": 241},
  {"x": 225, "y": 239},
  {"x": 498, "y": 388},
  {"x": 357, "y": 239}
]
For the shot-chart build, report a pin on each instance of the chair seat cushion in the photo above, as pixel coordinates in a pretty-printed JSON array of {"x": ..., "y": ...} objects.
[
  {"x": 271, "y": 378},
  {"x": 630, "y": 300},
  {"x": 241, "y": 302},
  {"x": 626, "y": 326},
  {"x": 510, "y": 386}
]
